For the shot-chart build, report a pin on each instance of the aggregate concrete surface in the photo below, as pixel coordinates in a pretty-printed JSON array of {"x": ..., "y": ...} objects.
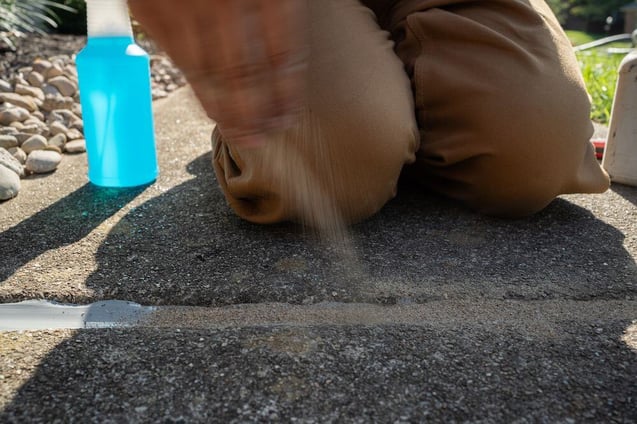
[{"x": 449, "y": 316}]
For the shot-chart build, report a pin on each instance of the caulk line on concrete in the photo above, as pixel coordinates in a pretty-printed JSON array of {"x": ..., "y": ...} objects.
[
  {"x": 528, "y": 316},
  {"x": 45, "y": 315}
]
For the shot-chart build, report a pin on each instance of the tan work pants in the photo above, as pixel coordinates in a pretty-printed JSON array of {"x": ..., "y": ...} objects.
[{"x": 481, "y": 101}]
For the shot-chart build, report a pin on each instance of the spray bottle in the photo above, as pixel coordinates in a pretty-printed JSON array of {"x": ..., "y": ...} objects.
[{"x": 115, "y": 93}]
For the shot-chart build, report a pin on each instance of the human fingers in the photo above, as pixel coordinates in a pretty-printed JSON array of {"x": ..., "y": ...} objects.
[{"x": 284, "y": 31}]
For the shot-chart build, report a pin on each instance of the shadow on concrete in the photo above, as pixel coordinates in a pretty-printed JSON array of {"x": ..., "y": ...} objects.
[
  {"x": 581, "y": 371},
  {"x": 187, "y": 247},
  {"x": 627, "y": 192},
  {"x": 64, "y": 222}
]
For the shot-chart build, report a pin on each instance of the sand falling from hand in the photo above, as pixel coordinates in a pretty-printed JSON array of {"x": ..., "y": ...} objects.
[{"x": 294, "y": 162}]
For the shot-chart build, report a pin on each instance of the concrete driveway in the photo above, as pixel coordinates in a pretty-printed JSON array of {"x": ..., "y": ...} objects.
[{"x": 446, "y": 316}]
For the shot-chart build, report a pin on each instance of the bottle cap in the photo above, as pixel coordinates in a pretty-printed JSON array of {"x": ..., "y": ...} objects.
[{"x": 108, "y": 18}]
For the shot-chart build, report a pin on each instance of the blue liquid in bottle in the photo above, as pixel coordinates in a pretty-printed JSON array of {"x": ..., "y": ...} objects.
[{"x": 115, "y": 93}]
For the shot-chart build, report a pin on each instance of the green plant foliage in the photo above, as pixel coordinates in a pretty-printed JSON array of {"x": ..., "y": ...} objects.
[
  {"x": 587, "y": 9},
  {"x": 578, "y": 38},
  {"x": 20, "y": 16},
  {"x": 600, "y": 75},
  {"x": 72, "y": 22}
]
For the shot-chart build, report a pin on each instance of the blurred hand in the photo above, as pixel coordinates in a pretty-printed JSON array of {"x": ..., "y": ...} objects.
[{"x": 245, "y": 59}]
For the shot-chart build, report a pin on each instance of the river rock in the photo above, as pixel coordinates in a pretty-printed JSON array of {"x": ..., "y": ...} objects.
[
  {"x": 53, "y": 72},
  {"x": 19, "y": 100},
  {"x": 8, "y": 131},
  {"x": 30, "y": 91},
  {"x": 36, "y": 142},
  {"x": 49, "y": 90},
  {"x": 31, "y": 128},
  {"x": 57, "y": 127},
  {"x": 158, "y": 93},
  {"x": 38, "y": 115},
  {"x": 17, "y": 79},
  {"x": 73, "y": 134},
  {"x": 22, "y": 137},
  {"x": 19, "y": 154},
  {"x": 5, "y": 86},
  {"x": 35, "y": 79},
  {"x": 52, "y": 102},
  {"x": 64, "y": 85},
  {"x": 76, "y": 146},
  {"x": 8, "y": 161},
  {"x": 53, "y": 149},
  {"x": 43, "y": 161},
  {"x": 13, "y": 114},
  {"x": 41, "y": 66},
  {"x": 78, "y": 124},
  {"x": 77, "y": 109},
  {"x": 32, "y": 120},
  {"x": 9, "y": 183},
  {"x": 62, "y": 115},
  {"x": 8, "y": 141},
  {"x": 58, "y": 140}
]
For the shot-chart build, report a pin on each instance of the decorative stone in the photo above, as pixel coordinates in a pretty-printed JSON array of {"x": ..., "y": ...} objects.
[
  {"x": 39, "y": 115},
  {"x": 13, "y": 114},
  {"x": 78, "y": 124},
  {"x": 32, "y": 120},
  {"x": 8, "y": 131},
  {"x": 30, "y": 128},
  {"x": 19, "y": 154},
  {"x": 70, "y": 70},
  {"x": 159, "y": 94},
  {"x": 8, "y": 141},
  {"x": 35, "y": 79},
  {"x": 5, "y": 87},
  {"x": 8, "y": 161},
  {"x": 41, "y": 66},
  {"x": 57, "y": 127},
  {"x": 73, "y": 134},
  {"x": 77, "y": 109},
  {"x": 19, "y": 100},
  {"x": 25, "y": 70},
  {"x": 17, "y": 124},
  {"x": 43, "y": 161},
  {"x": 62, "y": 115},
  {"x": 64, "y": 85},
  {"x": 22, "y": 137},
  {"x": 48, "y": 89},
  {"x": 9, "y": 183},
  {"x": 37, "y": 142},
  {"x": 57, "y": 140},
  {"x": 19, "y": 80},
  {"x": 57, "y": 102},
  {"x": 54, "y": 71},
  {"x": 29, "y": 91},
  {"x": 53, "y": 149},
  {"x": 76, "y": 146}
]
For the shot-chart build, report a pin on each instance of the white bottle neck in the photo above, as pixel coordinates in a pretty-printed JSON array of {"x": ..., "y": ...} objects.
[{"x": 108, "y": 18}]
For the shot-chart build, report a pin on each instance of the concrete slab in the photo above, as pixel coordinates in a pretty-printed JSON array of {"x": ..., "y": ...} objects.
[
  {"x": 471, "y": 370},
  {"x": 177, "y": 242},
  {"x": 443, "y": 316}
]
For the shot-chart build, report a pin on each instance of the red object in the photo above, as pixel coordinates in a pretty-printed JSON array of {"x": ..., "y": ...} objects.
[{"x": 600, "y": 145}]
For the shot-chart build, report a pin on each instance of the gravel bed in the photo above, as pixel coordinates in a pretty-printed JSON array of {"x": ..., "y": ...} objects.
[{"x": 40, "y": 111}]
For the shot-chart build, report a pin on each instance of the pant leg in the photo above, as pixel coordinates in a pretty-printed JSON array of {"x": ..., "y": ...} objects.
[
  {"x": 500, "y": 102},
  {"x": 343, "y": 161}
]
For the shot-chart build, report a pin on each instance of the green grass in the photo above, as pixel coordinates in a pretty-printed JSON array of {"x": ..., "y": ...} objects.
[
  {"x": 600, "y": 75},
  {"x": 599, "y": 69},
  {"x": 579, "y": 37}
]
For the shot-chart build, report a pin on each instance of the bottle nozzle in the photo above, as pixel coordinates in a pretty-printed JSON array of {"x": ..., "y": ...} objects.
[{"x": 108, "y": 18}]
